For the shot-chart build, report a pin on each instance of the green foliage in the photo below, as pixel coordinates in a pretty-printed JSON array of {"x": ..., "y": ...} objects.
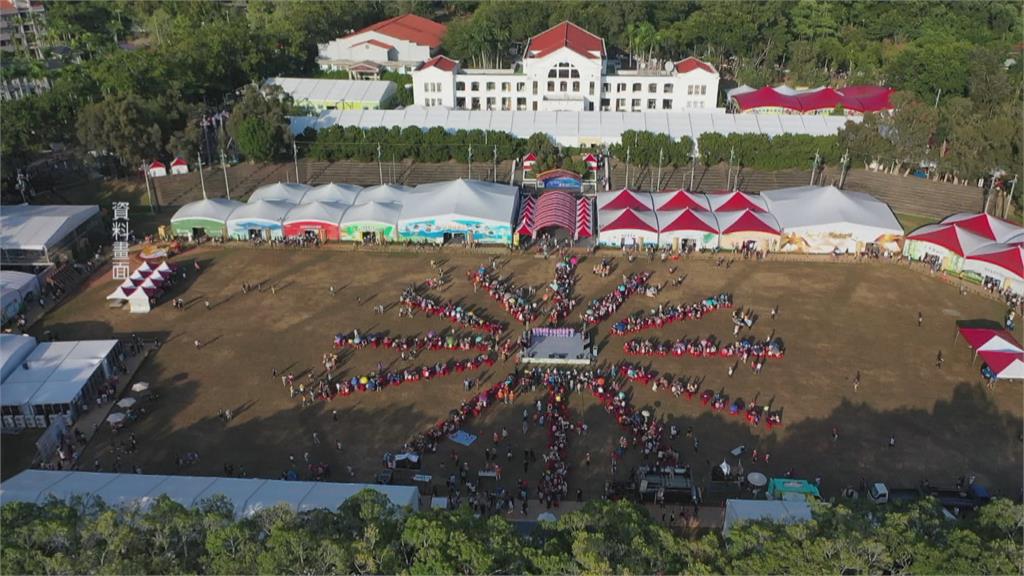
[
  {"x": 258, "y": 124},
  {"x": 764, "y": 153},
  {"x": 647, "y": 148},
  {"x": 434, "y": 145},
  {"x": 368, "y": 535}
]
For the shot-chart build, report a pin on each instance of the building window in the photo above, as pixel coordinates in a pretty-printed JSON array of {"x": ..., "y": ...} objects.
[
  {"x": 520, "y": 103},
  {"x": 534, "y": 106},
  {"x": 506, "y": 86},
  {"x": 490, "y": 86},
  {"x": 635, "y": 104},
  {"x": 475, "y": 104},
  {"x": 652, "y": 104},
  {"x": 474, "y": 87},
  {"x": 606, "y": 87},
  {"x": 553, "y": 73},
  {"x": 520, "y": 86},
  {"x": 620, "y": 104},
  {"x": 637, "y": 86},
  {"x": 562, "y": 86},
  {"x": 652, "y": 88},
  {"x": 605, "y": 103},
  {"x": 666, "y": 104},
  {"x": 703, "y": 90},
  {"x": 535, "y": 87},
  {"x": 689, "y": 89},
  {"x": 490, "y": 103},
  {"x": 460, "y": 86},
  {"x": 591, "y": 88},
  {"x": 551, "y": 87},
  {"x": 576, "y": 86},
  {"x": 620, "y": 87},
  {"x": 667, "y": 88},
  {"x": 460, "y": 103},
  {"x": 506, "y": 103}
]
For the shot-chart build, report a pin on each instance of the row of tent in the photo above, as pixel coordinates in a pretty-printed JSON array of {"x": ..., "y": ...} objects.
[
  {"x": 247, "y": 495},
  {"x": 429, "y": 212},
  {"x": 144, "y": 284},
  {"x": 973, "y": 244},
  {"x": 809, "y": 219}
]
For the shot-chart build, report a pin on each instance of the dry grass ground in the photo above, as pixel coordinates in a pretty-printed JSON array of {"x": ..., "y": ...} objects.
[{"x": 835, "y": 318}]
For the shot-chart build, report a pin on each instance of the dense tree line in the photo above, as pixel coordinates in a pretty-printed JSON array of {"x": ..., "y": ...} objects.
[
  {"x": 412, "y": 143},
  {"x": 366, "y": 534}
]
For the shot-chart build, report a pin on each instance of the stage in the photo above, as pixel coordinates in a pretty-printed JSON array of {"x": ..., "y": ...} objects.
[{"x": 557, "y": 346}]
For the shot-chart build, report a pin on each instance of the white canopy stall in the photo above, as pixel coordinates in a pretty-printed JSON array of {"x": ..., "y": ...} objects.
[
  {"x": 474, "y": 210},
  {"x": 291, "y": 192}
]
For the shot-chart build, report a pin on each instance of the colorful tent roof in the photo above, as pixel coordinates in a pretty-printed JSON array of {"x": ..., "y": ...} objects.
[
  {"x": 584, "y": 218},
  {"x": 747, "y": 221},
  {"x": 990, "y": 340},
  {"x": 627, "y": 219},
  {"x": 984, "y": 225},
  {"x": 624, "y": 199},
  {"x": 736, "y": 200},
  {"x": 1006, "y": 256},
  {"x": 682, "y": 200},
  {"x": 688, "y": 220},
  {"x": 316, "y": 212},
  {"x": 526, "y": 216},
  {"x": 217, "y": 209},
  {"x": 556, "y": 208},
  {"x": 950, "y": 237},
  {"x": 1005, "y": 364},
  {"x": 855, "y": 98}
]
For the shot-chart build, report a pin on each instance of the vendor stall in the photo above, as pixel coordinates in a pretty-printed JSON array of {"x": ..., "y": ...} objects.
[
  {"x": 314, "y": 220},
  {"x": 203, "y": 218},
  {"x": 370, "y": 222},
  {"x": 262, "y": 220},
  {"x": 460, "y": 210}
]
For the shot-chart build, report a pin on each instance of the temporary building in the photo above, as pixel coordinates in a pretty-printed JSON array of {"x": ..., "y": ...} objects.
[
  {"x": 260, "y": 219},
  {"x": 1002, "y": 262},
  {"x": 336, "y": 193},
  {"x": 780, "y": 511},
  {"x": 736, "y": 200},
  {"x": 813, "y": 101},
  {"x": 822, "y": 219},
  {"x": 1005, "y": 365},
  {"x": 14, "y": 348},
  {"x": 442, "y": 211},
  {"x": 984, "y": 225},
  {"x": 627, "y": 227},
  {"x": 247, "y": 495},
  {"x": 37, "y": 234},
  {"x": 370, "y": 221},
  {"x": 743, "y": 227},
  {"x": 291, "y": 192},
  {"x": 16, "y": 288},
  {"x": 203, "y": 218},
  {"x": 948, "y": 243},
  {"x": 319, "y": 219},
  {"x": 384, "y": 193},
  {"x": 688, "y": 226},
  {"x": 998, "y": 348},
  {"x": 179, "y": 166},
  {"x": 556, "y": 209},
  {"x": 625, "y": 199},
  {"x": 157, "y": 169},
  {"x": 681, "y": 200}
]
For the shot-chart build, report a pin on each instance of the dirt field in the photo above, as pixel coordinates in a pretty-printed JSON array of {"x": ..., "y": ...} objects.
[{"x": 835, "y": 318}]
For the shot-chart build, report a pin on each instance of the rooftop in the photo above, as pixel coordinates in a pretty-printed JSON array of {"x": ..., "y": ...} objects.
[
  {"x": 409, "y": 27},
  {"x": 566, "y": 35}
]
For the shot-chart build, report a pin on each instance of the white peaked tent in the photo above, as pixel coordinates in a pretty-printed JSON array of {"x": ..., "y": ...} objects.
[
  {"x": 337, "y": 193},
  {"x": 821, "y": 219},
  {"x": 700, "y": 228},
  {"x": 264, "y": 215},
  {"x": 377, "y": 217},
  {"x": 139, "y": 302},
  {"x": 121, "y": 294},
  {"x": 384, "y": 193},
  {"x": 468, "y": 207},
  {"x": 290, "y": 192},
  {"x": 137, "y": 276},
  {"x": 145, "y": 268},
  {"x": 316, "y": 212},
  {"x": 207, "y": 215},
  {"x": 627, "y": 227},
  {"x": 164, "y": 268}
]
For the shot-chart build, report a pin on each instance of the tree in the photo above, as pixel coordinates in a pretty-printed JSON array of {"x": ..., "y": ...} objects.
[
  {"x": 930, "y": 65},
  {"x": 259, "y": 126},
  {"x": 864, "y": 140},
  {"x": 127, "y": 127},
  {"x": 910, "y": 129}
]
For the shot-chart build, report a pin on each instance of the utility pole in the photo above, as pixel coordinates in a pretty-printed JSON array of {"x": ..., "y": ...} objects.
[
  {"x": 149, "y": 192},
  {"x": 470, "y": 162},
  {"x": 693, "y": 166},
  {"x": 1009, "y": 200},
  {"x": 380, "y": 167},
  {"x": 814, "y": 167},
  {"x": 224, "y": 166},
  {"x": 202, "y": 181},
  {"x": 628, "y": 150},
  {"x": 661, "y": 155},
  {"x": 295, "y": 157},
  {"x": 495, "y": 178},
  {"x": 937, "y": 96},
  {"x": 728, "y": 179},
  {"x": 845, "y": 167}
]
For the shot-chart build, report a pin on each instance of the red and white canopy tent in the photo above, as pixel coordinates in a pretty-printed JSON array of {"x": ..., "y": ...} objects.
[
  {"x": 584, "y": 217},
  {"x": 682, "y": 200},
  {"x": 556, "y": 208},
  {"x": 625, "y": 199},
  {"x": 736, "y": 200},
  {"x": 998, "y": 348},
  {"x": 949, "y": 238},
  {"x": 699, "y": 227},
  {"x": 984, "y": 225},
  {"x": 526, "y": 217},
  {"x": 627, "y": 226},
  {"x": 1006, "y": 256}
]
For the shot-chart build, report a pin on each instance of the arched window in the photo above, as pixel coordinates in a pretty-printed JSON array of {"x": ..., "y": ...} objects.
[{"x": 563, "y": 70}]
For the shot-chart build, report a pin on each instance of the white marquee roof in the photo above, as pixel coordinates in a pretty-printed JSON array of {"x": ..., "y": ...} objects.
[
  {"x": 280, "y": 192},
  {"x": 217, "y": 209},
  {"x": 316, "y": 211},
  {"x": 339, "y": 193},
  {"x": 14, "y": 348},
  {"x": 30, "y": 227},
  {"x": 461, "y": 198},
  {"x": 819, "y": 206},
  {"x": 384, "y": 193},
  {"x": 322, "y": 89},
  {"x": 378, "y": 212},
  {"x": 248, "y": 495},
  {"x": 262, "y": 210},
  {"x": 57, "y": 372}
]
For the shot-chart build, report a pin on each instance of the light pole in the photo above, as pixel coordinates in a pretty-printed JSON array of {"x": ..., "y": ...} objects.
[
  {"x": 495, "y": 178},
  {"x": 202, "y": 181},
  {"x": 845, "y": 167},
  {"x": 728, "y": 178},
  {"x": 295, "y": 158},
  {"x": 224, "y": 166},
  {"x": 628, "y": 150},
  {"x": 470, "y": 162},
  {"x": 661, "y": 155},
  {"x": 693, "y": 166},
  {"x": 814, "y": 167},
  {"x": 380, "y": 167}
]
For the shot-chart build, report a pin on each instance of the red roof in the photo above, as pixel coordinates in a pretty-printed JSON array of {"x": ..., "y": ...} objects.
[
  {"x": 856, "y": 98},
  {"x": 1009, "y": 258},
  {"x": 556, "y": 208},
  {"x": 682, "y": 200},
  {"x": 565, "y": 35},
  {"x": 157, "y": 164},
  {"x": 529, "y": 157},
  {"x": 626, "y": 198},
  {"x": 690, "y": 64},
  {"x": 824, "y": 99},
  {"x": 409, "y": 27},
  {"x": 950, "y": 237},
  {"x": 441, "y": 62},
  {"x": 628, "y": 220},
  {"x": 984, "y": 225},
  {"x": 748, "y": 221},
  {"x": 730, "y": 201},
  {"x": 689, "y": 220},
  {"x": 179, "y": 162},
  {"x": 374, "y": 42},
  {"x": 1000, "y": 361},
  {"x": 978, "y": 337},
  {"x": 557, "y": 173}
]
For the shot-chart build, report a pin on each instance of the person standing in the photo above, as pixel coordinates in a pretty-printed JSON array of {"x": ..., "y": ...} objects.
[
  {"x": 938, "y": 359},
  {"x": 207, "y": 304},
  {"x": 920, "y": 319}
]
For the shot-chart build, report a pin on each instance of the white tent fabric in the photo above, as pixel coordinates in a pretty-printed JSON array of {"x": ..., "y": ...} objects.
[
  {"x": 627, "y": 227},
  {"x": 470, "y": 203},
  {"x": 10, "y": 303},
  {"x": 781, "y": 511},
  {"x": 372, "y": 212},
  {"x": 1001, "y": 229},
  {"x": 824, "y": 218},
  {"x": 23, "y": 283},
  {"x": 145, "y": 268},
  {"x": 14, "y": 349},
  {"x": 316, "y": 212},
  {"x": 56, "y": 371},
  {"x": 216, "y": 209},
  {"x": 338, "y": 193},
  {"x": 265, "y": 210},
  {"x": 384, "y": 193},
  {"x": 248, "y": 495},
  {"x": 139, "y": 302},
  {"x": 30, "y": 227},
  {"x": 290, "y": 192}
]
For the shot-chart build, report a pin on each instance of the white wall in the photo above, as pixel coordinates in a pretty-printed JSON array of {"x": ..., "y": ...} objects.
[
  {"x": 404, "y": 51},
  {"x": 433, "y": 87}
]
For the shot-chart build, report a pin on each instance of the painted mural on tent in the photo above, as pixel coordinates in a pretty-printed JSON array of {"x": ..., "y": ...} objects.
[
  {"x": 435, "y": 230},
  {"x": 354, "y": 232},
  {"x": 239, "y": 229},
  {"x": 948, "y": 261},
  {"x": 828, "y": 242}
]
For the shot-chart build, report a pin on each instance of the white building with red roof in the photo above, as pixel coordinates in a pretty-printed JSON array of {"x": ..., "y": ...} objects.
[
  {"x": 400, "y": 42},
  {"x": 565, "y": 68}
]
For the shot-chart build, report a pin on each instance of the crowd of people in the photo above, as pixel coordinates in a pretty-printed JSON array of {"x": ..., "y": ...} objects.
[
  {"x": 515, "y": 300},
  {"x": 748, "y": 348},
  {"x": 662, "y": 315},
  {"x": 501, "y": 392},
  {"x": 455, "y": 314},
  {"x": 562, "y": 298},
  {"x": 431, "y": 341},
  {"x": 600, "y": 309}
]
